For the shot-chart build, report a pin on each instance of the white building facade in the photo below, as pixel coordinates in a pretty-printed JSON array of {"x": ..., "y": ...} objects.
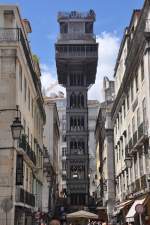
[
  {"x": 21, "y": 161},
  {"x": 131, "y": 118}
]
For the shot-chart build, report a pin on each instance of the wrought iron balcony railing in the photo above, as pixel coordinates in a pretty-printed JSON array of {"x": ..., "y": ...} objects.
[
  {"x": 26, "y": 147},
  {"x": 25, "y": 197},
  {"x": 76, "y": 51},
  {"x": 142, "y": 130},
  {"x": 77, "y": 36},
  {"x": 76, "y": 15}
]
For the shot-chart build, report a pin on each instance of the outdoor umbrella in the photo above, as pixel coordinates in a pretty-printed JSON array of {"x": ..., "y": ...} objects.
[{"x": 82, "y": 214}]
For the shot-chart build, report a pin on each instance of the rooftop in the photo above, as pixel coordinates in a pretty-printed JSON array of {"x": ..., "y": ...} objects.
[{"x": 77, "y": 15}]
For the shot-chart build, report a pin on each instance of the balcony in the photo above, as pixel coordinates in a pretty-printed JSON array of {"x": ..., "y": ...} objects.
[
  {"x": 25, "y": 197},
  {"x": 137, "y": 185},
  {"x": 67, "y": 51},
  {"x": 27, "y": 149},
  {"x": 76, "y": 36},
  {"x": 142, "y": 131},
  {"x": 143, "y": 182},
  {"x": 9, "y": 34},
  {"x": 76, "y": 15}
]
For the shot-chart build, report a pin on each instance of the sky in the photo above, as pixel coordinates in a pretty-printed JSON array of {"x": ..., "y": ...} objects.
[{"x": 112, "y": 16}]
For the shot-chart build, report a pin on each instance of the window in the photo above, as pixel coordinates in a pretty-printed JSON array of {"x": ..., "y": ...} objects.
[
  {"x": 129, "y": 132},
  {"x": 128, "y": 100},
  {"x": 144, "y": 109},
  {"x": 133, "y": 125},
  {"x": 64, "y": 138},
  {"x": 63, "y": 28},
  {"x": 64, "y": 151},
  {"x": 136, "y": 166},
  {"x": 124, "y": 109},
  {"x": 31, "y": 141},
  {"x": 25, "y": 89},
  {"x": 138, "y": 117},
  {"x": 20, "y": 77},
  {"x": 120, "y": 113},
  {"x": 117, "y": 153},
  {"x": 132, "y": 93},
  {"x": 64, "y": 177},
  {"x": 142, "y": 69},
  {"x": 24, "y": 125},
  {"x": 64, "y": 117},
  {"x": 32, "y": 110},
  {"x": 28, "y": 134},
  {"x": 19, "y": 170},
  {"x": 64, "y": 126},
  {"x": 89, "y": 27},
  {"x": 136, "y": 83},
  {"x": 63, "y": 165},
  {"x": 29, "y": 99},
  {"x": 141, "y": 163}
]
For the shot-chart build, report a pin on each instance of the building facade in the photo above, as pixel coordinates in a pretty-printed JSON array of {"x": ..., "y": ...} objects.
[
  {"x": 93, "y": 109},
  {"x": 61, "y": 107},
  {"x": 130, "y": 114},
  {"x": 51, "y": 141},
  {"x": 76, "y": 61},
  {"x": 106, "y": 167},
  {"x": 21, "y": 161}
]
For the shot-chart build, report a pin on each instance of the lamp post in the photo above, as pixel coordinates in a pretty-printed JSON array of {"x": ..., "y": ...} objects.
[{"x": 128, "y": 162}]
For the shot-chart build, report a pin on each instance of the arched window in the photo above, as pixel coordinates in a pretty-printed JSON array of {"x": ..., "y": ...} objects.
[
  {"x": 82, "y": 101},
  {"x": 79, "y": 123},
  {"x": 79, "y": 101},
  {"x": 82, "y": 123},
  {"x": 75, "y": 123},
  {"x": 71, "y": 123},
  {"x": 71, "y": 145},
  {"x": 74, "y": 101},
  {"x": 71, "y": 101}
]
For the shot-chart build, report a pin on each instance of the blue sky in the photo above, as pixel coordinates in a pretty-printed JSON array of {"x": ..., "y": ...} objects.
[{"x": 112, "y": 17}]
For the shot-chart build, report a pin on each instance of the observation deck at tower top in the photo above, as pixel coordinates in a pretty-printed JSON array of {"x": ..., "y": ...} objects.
[
  {"x": 75, "y": 15},
  {"x": 76, "y": 45}
]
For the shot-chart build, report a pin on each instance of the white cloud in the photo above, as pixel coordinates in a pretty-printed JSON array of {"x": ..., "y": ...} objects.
[
  {"x": 108, "y": 49},
  {"x": 49, "y": 80}
]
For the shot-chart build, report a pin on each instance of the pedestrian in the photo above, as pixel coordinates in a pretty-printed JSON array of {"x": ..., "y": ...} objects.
[{"x": 54, "y": 222}]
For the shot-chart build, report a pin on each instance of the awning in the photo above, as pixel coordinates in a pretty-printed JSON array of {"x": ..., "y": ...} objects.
[
  {"x": 121, "y": 206},
  {"x": 130, "y": 215},
  {"x": 82, "y": 214}
]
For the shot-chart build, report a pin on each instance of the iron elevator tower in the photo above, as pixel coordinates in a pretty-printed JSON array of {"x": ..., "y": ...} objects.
[{"x": 76, "y": 62}]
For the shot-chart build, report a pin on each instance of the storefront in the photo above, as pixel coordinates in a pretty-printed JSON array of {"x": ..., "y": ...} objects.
[
  {"x": 102, "y": 213},
  {"x": 121, "y": 211},
  {"x": 23, "y": 216},
  {"x": 133, "y": 218}
]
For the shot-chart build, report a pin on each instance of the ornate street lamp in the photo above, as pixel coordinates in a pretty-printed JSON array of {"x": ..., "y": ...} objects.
[
  {"x": 128, "y": 162},
  {"x": 16, "y": 127}
]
